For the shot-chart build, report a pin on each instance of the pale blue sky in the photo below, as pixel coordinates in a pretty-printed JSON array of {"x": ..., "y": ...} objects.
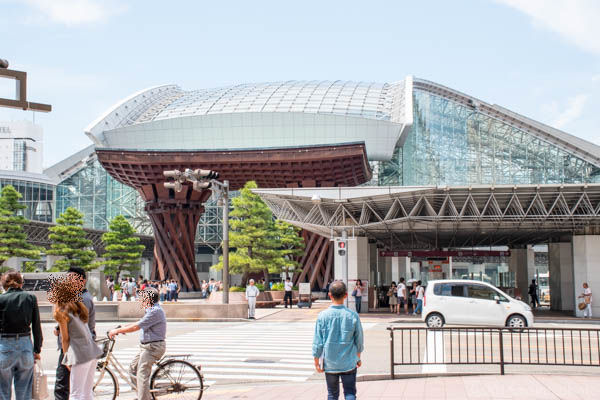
[{"x": 540, "y": 58}]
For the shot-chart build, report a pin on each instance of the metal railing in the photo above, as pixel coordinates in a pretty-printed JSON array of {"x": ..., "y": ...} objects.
[{"x": 494, "y": 346}]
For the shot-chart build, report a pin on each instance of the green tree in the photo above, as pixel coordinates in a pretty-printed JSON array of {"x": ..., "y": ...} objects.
[
  {"x": 261, "y": 244},
  {"x": 13, "y": 239},
  {"x": 123, "y": 250},
  {"x": 292, "y": 245},
  {"x": 69, "y": 241}
]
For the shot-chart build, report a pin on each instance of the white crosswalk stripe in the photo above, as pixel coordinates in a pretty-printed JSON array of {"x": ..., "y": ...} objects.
[{"x": 269, "y": 351}]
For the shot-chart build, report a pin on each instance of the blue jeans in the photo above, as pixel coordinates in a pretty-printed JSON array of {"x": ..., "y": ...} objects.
[
  {"x": 419, "y": 308},
  {"x": 357, "y": 300},
  {"x": 16, "y": 365},
  {"x": 348, "y": 382}
]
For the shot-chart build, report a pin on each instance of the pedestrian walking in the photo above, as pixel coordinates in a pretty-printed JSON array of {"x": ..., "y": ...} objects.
[
  {"x": 153, "y": 331},
  {"x": 412, "y": 297},
  {"x": 79, "y": 351},
  {"x": 204, "y": 288},
  {"x": 130, "y": 290},
  {"x": 357, "y": 293},
  {"x": 251, "y": 293},
  {"x": 587, "y": 300},
  {"x": 402, "y": 301},
  {"x": 289, "y": 290},
  {"x": 393, "y": 297},
  {"x": 338, "y": 342},
  {"x": 63, "y": 374},
  {"x": 163, "y": 291},
  {"x": 110, "y": 283},
  {"x": 420, "y": 290},
  {"x": 20, "y": 319},
  {"x": 533, "y": 290},
  {"x": 173, "y": 290}
]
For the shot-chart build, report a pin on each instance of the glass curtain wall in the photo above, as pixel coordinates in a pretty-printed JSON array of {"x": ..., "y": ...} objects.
[
  {"x": 451, "y": 144},
  {"x": 100, "y": 198},
  {"x": 38, "y": 197}
]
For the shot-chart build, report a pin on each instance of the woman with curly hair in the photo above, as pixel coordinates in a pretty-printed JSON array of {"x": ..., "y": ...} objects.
[{"x": 78, "y": 346}]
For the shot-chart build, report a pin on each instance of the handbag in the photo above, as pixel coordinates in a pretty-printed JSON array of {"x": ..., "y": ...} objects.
[
  {"x": 582, "y": 305},
  {"x": 40, "y": 383},
  {"x": 354, "y": 292}
]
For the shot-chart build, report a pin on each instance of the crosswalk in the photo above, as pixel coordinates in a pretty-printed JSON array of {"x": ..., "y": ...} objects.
[{"x": 249, "y": 352}]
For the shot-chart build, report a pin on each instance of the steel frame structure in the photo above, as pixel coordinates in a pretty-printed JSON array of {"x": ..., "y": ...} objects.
[{"x": 443, "y": 217}]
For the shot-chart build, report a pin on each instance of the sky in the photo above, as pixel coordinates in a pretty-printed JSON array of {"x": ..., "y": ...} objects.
[{"x": 539, "y": 58}]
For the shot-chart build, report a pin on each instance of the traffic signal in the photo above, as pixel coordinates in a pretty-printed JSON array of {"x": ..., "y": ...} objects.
[{"x": 341, "y": 248}]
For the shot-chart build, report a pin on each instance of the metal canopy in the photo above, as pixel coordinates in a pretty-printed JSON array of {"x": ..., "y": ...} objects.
[{"x": 442, "y": 217}]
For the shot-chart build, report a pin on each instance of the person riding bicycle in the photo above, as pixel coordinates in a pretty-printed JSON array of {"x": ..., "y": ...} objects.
[{"x": 153, "y": 326}]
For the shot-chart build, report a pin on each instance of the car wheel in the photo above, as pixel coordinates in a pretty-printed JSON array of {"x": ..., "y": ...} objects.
[
  {"x": 516, "y": 321},
  {"x": 434, "y": 320}
]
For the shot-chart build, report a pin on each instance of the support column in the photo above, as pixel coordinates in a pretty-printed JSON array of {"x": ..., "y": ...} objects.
[
  {"x": 560, "y": 268},
  {"x": 586, "y": 253},
  {"x": 400, "y": 268},
  {"x": 358, "y": 268},
  {"x": 522, "y": 263}
]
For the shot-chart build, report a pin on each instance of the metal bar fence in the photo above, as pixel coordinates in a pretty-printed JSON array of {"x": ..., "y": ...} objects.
[{"x": 497, "y": 346}]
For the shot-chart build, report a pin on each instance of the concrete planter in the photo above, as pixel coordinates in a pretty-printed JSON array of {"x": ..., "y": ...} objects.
[{"x": 186, "y": 310}]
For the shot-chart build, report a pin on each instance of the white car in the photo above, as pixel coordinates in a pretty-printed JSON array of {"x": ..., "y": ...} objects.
[{"x": 466, "y": 302}]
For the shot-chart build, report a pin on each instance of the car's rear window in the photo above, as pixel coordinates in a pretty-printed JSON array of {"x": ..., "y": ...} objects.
[{"x": 449, "y": 289}]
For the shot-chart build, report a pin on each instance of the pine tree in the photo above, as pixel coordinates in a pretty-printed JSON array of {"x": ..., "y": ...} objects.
[
  {"x": 123, "y": 250},
  {"x": 261, "y": 243},
  {"x": 292, "y": 245},
  {"x": 253, "y": 235},
  {"x": 69, "y": 241},
  {"x": 13, "y": 239}
]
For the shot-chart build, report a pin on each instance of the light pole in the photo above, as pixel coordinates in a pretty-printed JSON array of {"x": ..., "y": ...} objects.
[{"x": 223, "y": 190}]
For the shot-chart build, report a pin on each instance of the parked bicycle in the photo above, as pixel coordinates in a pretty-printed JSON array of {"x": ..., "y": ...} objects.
[{"x": 174, "y": 376}]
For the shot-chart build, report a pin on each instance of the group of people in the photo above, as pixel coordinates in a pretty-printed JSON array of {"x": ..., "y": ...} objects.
[
  {"x": 408, "y": 298},
  {"x": 76, "y": 331},
  {"x": 168, "y": 289},
  {"x": 209, "y": 287}
]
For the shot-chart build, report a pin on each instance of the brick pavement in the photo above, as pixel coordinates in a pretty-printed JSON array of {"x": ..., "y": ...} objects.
[{"x": 488, "y": 387}]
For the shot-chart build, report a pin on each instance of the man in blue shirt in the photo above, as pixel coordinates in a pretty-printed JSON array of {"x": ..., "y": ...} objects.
[
  {"x": 153, "y": 326},
  {"x": 338, "y": 342}
]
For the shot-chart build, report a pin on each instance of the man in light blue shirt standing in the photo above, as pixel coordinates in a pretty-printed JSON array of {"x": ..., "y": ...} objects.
[{"x": 339, "y": 342}]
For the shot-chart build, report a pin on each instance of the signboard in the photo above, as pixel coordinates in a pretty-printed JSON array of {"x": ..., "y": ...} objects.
[
  {"x": 444, "y": 253},
  {"x": 304, "y": 288}
]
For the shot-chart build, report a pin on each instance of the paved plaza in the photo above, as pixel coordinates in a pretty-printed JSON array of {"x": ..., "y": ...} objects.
[{"x": 273, "y": 355}]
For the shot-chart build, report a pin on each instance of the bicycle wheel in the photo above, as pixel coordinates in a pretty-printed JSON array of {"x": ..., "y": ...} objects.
[
  {"x": 105, "y": 384},
  {"x": 177, "y": 379}
]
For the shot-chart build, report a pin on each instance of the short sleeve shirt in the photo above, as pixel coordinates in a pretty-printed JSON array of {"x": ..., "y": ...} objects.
[
  {"x": 588, "y": 292},
  {"x": 288, "y": 286},
  {"x": 153, "y": 325},
  {"x": 402, "y": 290}
]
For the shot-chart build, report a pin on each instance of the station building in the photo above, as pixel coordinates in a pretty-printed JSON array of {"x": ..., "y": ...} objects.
[{"x": 430, "y": 181}]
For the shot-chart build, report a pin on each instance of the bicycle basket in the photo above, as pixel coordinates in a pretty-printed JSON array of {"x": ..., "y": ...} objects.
[{"x": 105, "y": 344}]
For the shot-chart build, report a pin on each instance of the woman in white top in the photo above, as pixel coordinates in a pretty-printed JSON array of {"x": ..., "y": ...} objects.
[
  {"x": 420, "y": 294},
  {"x": 587, "y": 299},
  {"x": 358, "y": 290}
]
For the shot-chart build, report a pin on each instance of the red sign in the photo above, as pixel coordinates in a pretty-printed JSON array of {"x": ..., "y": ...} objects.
[{"x": 442, "y": 253}]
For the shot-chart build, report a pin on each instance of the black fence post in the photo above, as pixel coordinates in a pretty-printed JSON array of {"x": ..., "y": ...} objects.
[
  {"x": 392, "y": 353},
  {"x": 501, "y": 342}
]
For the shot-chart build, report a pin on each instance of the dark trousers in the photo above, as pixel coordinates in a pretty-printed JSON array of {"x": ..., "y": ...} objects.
[
  {"x": 61, "y": 384},
  {"x": 534, "y": 300},
  {"x": 348, "y": 382},
  {"x": 287, "y": 296}
]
